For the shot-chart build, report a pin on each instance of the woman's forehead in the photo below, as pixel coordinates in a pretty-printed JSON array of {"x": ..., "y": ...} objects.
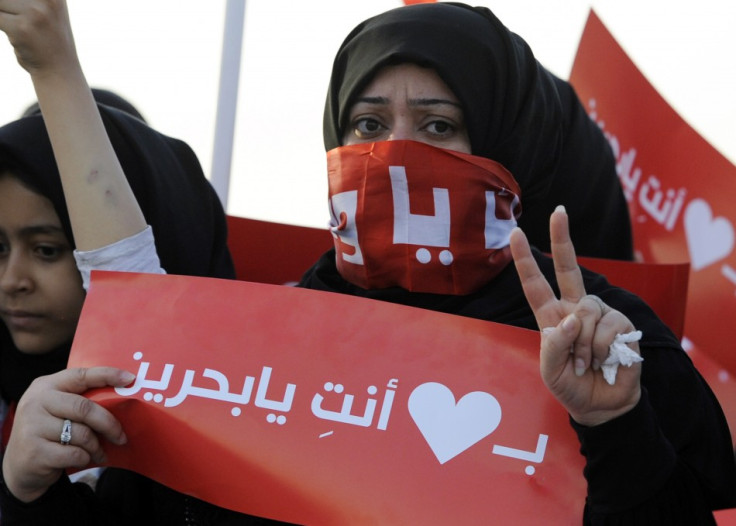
[
  {"x": 416, "y": 80},
  {"x": 10, "y": 182}
]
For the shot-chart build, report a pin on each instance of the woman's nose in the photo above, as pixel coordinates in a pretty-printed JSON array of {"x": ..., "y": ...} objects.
[
  {"x": 402, "y": 130},
  {"x": 15, "y": 275}
]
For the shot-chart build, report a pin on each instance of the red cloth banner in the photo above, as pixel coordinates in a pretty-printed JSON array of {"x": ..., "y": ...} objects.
[
  {"x": 319, "y": 408},
  {"x": 679, "y": 188}
]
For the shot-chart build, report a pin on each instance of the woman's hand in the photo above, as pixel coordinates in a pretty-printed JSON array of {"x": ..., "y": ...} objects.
[
  {"x": 40, "y": 33},
  {"x": 35, "y": 456},
  {"x": 582, "y": 329},
  {"x": 102, "y": 207}
]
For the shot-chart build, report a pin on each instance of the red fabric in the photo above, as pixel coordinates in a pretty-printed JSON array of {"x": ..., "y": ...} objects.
[
  {"x": 425, "y": 219},
  {"x": 725, "y": 517},
  {"x": 663, "y": 286},
  {"x": 274, "y": 253},
  {"x": 502, "y": 447}
]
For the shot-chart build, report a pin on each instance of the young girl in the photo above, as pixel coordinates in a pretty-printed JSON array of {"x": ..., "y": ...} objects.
[
  {"x": 41, "y": 292},
  {"x": 61, "y": 217}
]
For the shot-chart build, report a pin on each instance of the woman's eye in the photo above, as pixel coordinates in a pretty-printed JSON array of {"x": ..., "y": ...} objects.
[
  {"x": 367, "y": 127},
  {"x": 49, "y": 252},
  {"x": 440, "y": 127},
  {"x": 4, "y": 249}
]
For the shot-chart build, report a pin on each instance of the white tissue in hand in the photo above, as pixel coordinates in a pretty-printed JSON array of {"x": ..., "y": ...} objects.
[{"x": 620, "y": 354}]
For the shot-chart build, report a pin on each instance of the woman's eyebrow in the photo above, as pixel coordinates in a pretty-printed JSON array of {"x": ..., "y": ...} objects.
[
  {"x": 373, "y": 100},
  {"x": 378, "y": 100},
  {"x": 433, "y": 102},
  {"x": 32, "y": 230}
]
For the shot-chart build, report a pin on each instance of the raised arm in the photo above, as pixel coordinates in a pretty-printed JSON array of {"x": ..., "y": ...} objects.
[{"x": 102, "y": 207}]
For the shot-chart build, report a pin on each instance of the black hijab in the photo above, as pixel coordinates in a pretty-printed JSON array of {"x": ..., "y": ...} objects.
[
  {"x": 517, "y": 113},
  {"x": 177, "y": 201}
]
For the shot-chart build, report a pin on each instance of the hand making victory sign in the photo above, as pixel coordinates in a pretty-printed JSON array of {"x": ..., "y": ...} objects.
[{"x": 582, "y": 327}]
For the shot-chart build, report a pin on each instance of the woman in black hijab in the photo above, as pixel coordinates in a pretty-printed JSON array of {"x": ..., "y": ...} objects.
[
  {"x": 517, "y": 133},
  {"x": 517, "y": 113}
]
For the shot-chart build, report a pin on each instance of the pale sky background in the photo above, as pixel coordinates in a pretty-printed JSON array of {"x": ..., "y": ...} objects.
[{"x": 164, "y": 56}]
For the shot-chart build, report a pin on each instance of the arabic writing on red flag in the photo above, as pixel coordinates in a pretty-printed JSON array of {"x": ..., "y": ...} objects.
[{"x": 319, "y": 408}]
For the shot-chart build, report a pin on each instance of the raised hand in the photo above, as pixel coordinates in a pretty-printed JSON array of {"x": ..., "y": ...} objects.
[
  {"x": 577, "y": 330},
  {"x": 40, "y": 33},
  {"x": 36, "y": 456},
  {"x": 102, "y": 207}
]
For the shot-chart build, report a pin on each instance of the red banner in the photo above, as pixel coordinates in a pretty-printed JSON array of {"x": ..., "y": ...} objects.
[
  {"x": 319, "y": 408},
  {"x": 680, "y": 192},
  {"x": 680, "y": 189}
]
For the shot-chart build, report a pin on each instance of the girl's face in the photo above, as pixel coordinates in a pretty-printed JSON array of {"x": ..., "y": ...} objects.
[
  {"x": 41, "y": 292},
  {"x": 408, "y": 102}
]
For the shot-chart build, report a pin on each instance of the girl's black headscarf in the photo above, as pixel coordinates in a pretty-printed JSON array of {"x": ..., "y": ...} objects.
[
  {"x": 517, "y": 113},
  {"x": 177, "y": 200}
]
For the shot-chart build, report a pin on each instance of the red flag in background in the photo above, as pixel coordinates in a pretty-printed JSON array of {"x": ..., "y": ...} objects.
[{"x": 680, "y": 192}]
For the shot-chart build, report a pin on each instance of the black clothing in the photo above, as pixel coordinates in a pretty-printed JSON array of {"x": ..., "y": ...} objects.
[
  {"x": 516, "y": 113},
  {"x": 122, "y": 498}
]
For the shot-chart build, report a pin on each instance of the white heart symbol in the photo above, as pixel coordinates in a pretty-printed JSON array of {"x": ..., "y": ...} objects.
[
  {"x": 451, "y": 428},
  {"x": 708, "y": 239}
]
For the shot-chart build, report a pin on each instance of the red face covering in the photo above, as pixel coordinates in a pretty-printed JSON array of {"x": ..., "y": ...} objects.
[{"x": 407, "y": 214}]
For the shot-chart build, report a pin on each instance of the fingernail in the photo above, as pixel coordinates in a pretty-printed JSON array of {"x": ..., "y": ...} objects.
[
  {"x": 122, "y": 439},
  {"x": 561, "y": 208},
  {"x": 569, "y": 322},
  {"x": 596, "y": 365},
  {"x": 101, "y": 458},
  {"x": 127, "y": 377},
  {"x": 579, "y": 367}
]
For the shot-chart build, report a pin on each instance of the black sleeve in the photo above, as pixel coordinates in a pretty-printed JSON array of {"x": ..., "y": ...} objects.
[
  {"x": 669, "y": 460},
  {"x": 122, "y": 498},
  {"x": 63, "y": 503}
]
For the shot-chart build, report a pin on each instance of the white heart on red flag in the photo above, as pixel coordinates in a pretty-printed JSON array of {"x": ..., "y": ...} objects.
[
  {"x": 708, "y": 239},
  {"x": 448, "y": 427}
]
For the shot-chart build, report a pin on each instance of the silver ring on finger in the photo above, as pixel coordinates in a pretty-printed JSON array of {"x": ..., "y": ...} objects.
[{"x": 66, "y": 432}]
